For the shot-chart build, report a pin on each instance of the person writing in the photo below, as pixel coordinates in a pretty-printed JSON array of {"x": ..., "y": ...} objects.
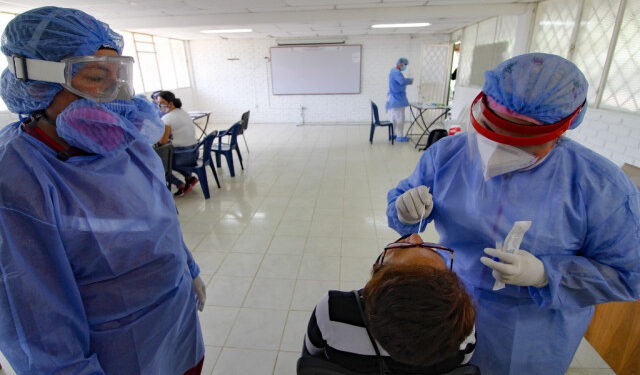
[
  {"x": 95, "y": 277},
  {"x": 582, "y": 247},
  {"x": 397, "y": 97},
  {"x": 180, "y": 129},
  {"x": 412, "y": 317}
]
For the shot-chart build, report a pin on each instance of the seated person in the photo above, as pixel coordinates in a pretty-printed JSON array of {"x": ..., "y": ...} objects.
[
  {"x": 415, "y": 308},
  {"x": 180, "y": 129}
]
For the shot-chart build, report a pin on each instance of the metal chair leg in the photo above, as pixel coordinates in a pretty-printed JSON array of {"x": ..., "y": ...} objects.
[{"x": 245, "y": 143}]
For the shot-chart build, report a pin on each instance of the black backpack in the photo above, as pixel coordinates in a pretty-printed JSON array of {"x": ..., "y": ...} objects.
[{"x": 434, "y": 136}]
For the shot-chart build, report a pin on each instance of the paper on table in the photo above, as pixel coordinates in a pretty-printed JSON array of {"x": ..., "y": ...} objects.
[{"x": 512, "y": 243}]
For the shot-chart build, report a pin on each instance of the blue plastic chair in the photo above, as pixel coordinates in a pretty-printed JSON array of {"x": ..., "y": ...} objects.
[
  {"x": 375, "y": 121},
  {"x": 226, "y": 149},
  {"x": 201, "y": 165}
]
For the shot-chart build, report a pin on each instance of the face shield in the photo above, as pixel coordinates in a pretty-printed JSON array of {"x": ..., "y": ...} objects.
[
  {"x": 485, "y": 121},
  {"x": 98, "y": 78},
  {"x": 502, "y": 153}
]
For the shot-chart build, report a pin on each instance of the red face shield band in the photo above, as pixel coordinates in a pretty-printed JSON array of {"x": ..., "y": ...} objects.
[{"x": 482, "y": 116}]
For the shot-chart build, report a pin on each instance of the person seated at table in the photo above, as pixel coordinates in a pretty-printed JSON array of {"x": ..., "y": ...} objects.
[
  {"x": 413, "y": 316},
  {"x": 180, "y": 130}
]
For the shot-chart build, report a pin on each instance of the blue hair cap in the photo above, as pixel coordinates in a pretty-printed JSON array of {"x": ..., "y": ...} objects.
[
  {"x": 402, "y": 61},
  {"x": 545, "y": 87},
  {"x": 52, "y": 34}
]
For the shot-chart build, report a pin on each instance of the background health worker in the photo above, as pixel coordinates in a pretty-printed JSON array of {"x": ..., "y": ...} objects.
[
  {"x": 95, "y": 277},
  {"x": 583, "y": 246},
  {"x": 397, "y": 97}
]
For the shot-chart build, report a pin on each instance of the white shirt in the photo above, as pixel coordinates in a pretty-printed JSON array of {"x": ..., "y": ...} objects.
[{"x": 183, "y": 131}]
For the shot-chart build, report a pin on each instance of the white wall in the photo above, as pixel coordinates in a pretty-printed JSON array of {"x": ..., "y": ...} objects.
[{"x": 230, "y": 87}]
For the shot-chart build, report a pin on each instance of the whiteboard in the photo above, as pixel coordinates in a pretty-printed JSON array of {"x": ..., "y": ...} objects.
[{"x": 319, "y": 69}]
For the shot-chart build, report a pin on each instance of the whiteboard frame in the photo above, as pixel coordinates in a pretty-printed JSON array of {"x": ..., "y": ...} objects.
[{"x": 317, "y": 45}]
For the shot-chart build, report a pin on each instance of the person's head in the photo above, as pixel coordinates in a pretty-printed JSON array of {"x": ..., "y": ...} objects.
[
  {"x": 402, "y": 63},
  {"x": 416, "y": 308},
  {"x": 84, "y": 45},
  {"x": 528, "y": 101},
  {"x": 168, "y": 101},
  {"x": 412, "y": 249}
]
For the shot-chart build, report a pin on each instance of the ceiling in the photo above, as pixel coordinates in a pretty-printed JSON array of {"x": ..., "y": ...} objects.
[{"x": 184, "y": 19}]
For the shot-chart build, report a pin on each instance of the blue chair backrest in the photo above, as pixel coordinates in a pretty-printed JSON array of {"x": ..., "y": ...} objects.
[
  {"x": 233, "y": 131},
  {"x": 245, "y": 121},
  {"x": 206, "y": 144},
  {"x": 374, "y": 113}
]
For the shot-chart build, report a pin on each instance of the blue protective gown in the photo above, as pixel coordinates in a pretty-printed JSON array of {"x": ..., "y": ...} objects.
[
  {"x": 397, "y": 95},
  {"x": 585, "y": 229},
  {"x": 95, "y": 277}
]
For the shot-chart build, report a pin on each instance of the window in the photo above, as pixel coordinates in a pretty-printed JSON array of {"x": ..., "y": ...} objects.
[
  {"x": 466, "y": 54},
  {"x": 484, "y": 45},
  {"x": 180, "y": 61},
  {"x": 161, "y": 63},
  {"x": 555, "y": 21},
  {"x": 593, "y": 39},
  {"x": 622, "y": 89},
  {"x": 130, "y": 50},
  {"x": 150, "y": 73},
  {"x": 613, "y": 74},
  {"x": 165, "y": 62}
]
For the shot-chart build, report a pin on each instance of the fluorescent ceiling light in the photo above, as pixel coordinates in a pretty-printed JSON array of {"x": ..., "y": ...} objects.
[
  {"x": 395, "y": 25},
  {"x": 226, "y": 31}
]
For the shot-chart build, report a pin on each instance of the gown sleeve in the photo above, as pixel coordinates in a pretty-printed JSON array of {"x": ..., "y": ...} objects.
[
  {"x": 608, "y": 267},
  {"x": 194, "y": 269},
  {"x": 43, "y": 325},
  {"x": 401, "y": 80}
]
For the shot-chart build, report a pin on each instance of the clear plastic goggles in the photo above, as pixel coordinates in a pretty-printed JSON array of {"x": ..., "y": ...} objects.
[{"x": 99, "y": 78}]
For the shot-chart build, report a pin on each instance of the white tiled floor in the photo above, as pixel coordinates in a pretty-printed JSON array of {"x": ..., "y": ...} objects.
[{"x": 307, "y": 215}]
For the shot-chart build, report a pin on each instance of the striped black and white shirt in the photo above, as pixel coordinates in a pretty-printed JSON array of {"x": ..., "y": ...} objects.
[{"x": 336, "y": 332}]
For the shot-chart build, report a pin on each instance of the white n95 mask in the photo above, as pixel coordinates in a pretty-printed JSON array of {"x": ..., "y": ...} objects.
[{"x": 498, "y": 158}]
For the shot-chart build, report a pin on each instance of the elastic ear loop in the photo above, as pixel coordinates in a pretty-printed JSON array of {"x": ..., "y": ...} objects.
[{"x": 381, "y": 364}]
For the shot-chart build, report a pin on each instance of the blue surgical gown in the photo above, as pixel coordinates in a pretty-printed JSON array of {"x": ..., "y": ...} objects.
[
  {"x": 397, "y": 95},
  {"x": 585, "y": 216},
  {"x": 95, "y": 277}
]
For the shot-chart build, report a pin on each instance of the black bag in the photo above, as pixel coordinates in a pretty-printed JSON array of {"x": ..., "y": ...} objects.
[{"x": 434, "y": 136}]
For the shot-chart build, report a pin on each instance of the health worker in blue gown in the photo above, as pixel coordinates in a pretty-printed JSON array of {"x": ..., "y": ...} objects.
[
  {"x": 583, "y": 244},
  {"x": 95, "y": 277},
  {"x": 397, "y": 97}
]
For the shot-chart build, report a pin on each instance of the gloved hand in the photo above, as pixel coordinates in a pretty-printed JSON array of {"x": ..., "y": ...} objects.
[
  {"x": 520, "y": 268},
  {"x": 201, "y": 292},
  {"x": 413, "y": 203}
]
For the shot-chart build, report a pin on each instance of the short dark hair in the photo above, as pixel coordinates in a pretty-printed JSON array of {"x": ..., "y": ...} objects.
[
  {"x": 170, "y": 98},
  {"x": 419, "y": 315}
]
